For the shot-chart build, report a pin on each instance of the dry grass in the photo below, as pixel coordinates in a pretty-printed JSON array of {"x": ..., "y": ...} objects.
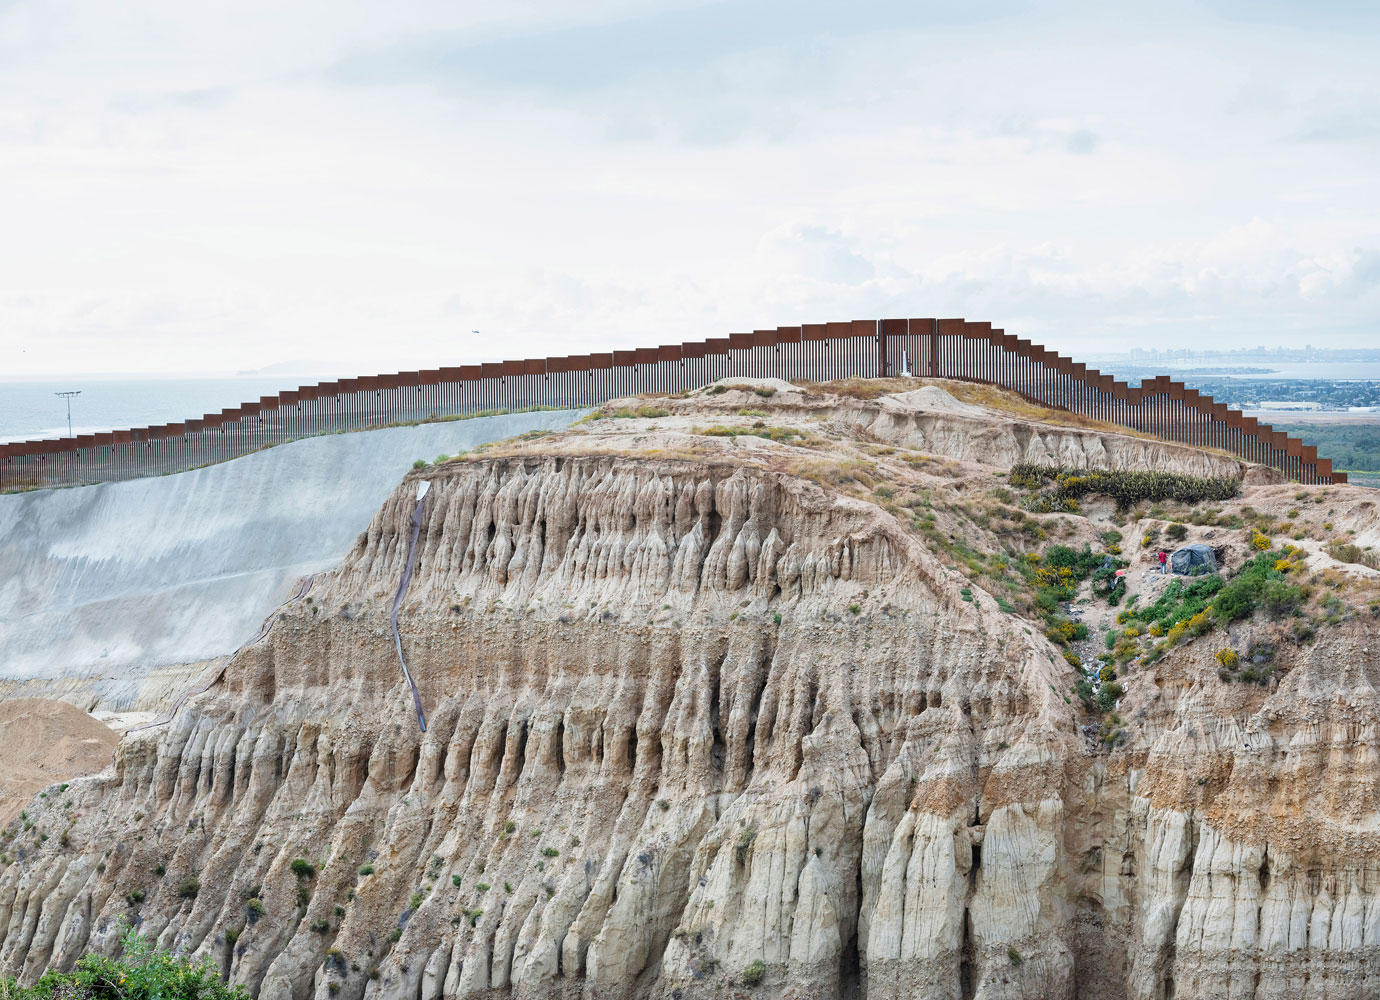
[
  {"x": 840, "y": 472},
  {"x": 857, "y": 388},
  {"x": 1348, "y": 552}
]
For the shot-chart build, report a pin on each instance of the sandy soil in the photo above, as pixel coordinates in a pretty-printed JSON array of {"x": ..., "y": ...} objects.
[{"x": 45, "y": 741}]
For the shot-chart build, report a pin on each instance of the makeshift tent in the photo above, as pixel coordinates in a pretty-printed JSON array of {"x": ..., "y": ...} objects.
[{"x": 1193, "y": 560}]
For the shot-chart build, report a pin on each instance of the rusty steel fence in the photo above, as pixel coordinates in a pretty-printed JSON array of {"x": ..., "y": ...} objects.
[{"x": 934, "y": 348}]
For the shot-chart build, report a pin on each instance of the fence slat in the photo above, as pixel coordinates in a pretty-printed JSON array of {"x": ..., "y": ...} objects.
[{"x": 937, "y": 348}]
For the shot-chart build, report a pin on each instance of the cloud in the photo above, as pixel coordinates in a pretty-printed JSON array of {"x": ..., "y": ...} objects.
[
  {"x": 1081, "y": 141},
  {"x": 226, "y": 185},
  {"x": 568, "y": 59}
]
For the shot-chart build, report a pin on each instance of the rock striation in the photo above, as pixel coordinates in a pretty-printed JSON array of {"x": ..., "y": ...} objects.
[{"x": 701, "y": 727}]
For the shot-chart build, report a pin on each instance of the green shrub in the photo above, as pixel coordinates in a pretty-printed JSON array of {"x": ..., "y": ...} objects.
[
  {"x": 752, "y": 975},
  {"x": 550, "y": 852},
  {"x": 303, "y": 868},
  {"x": 321, "y": 926},
  {"x": 141, "y": 973},
  {"x": 1234, "y": 603},
  {"x": 189, "y": 888},
  {"x": 1280, "y": 599},
  {"x": 482, "y": 887},
  {"x": 1014, "y": 957},
  {"x": 134, "y": 897},
  {"x": 1252, "y": 587},
  {"x": 255, "y": 909},
  {"x": 455, "y": 881},
  {"x": 1108, "y": 694},
  {"x": 745, "y": 840},
  {"x": 366, "y": 869},
  {"x": 1179, "y": 602}
]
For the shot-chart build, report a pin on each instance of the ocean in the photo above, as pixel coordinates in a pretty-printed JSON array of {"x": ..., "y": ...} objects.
[
  {"x": 30, "y": 411},
  {"x": 1351, "y": 371}
]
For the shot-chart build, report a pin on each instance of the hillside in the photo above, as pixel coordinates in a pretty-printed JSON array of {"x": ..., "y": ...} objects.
[{"x": 772, "y": 690}]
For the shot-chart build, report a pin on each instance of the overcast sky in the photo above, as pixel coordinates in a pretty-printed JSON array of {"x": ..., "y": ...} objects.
[{"x": 228, "y": 184}]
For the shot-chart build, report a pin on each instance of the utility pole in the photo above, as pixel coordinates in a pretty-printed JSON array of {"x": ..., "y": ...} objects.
[{"x": 72, "y": 465}]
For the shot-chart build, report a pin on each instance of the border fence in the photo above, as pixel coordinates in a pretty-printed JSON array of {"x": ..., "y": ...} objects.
[{"x": 934, "y": 348}]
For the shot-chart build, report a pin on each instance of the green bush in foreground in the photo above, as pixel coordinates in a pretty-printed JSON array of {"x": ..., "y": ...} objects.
[{"x": 141, "y": 973}]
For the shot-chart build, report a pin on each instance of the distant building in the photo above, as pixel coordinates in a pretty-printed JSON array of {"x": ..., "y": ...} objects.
[{"x": 1288, "y": 404}]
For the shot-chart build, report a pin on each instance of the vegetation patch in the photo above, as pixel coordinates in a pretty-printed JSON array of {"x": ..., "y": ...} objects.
[
  {"x": 1053, "y": 488},
  {"x": 141, "y": 973},
  {"x": 1349, "y": 552},
  {"x": 787, "y": 435},
  {"x": 624, "y": 413},
  {"x": 1188, "y": 609},
  {"x": 752, "y": 975}
]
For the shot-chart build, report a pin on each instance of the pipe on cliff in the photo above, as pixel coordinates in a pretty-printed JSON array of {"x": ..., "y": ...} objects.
[{"x": 422, "y": 489}]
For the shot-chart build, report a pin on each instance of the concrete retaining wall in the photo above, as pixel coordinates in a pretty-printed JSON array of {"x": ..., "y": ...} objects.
[{"x": 105, "y": 589}]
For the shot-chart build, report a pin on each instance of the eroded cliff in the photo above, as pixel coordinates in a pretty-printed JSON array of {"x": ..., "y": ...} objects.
[{"x": 710, "y": 715}]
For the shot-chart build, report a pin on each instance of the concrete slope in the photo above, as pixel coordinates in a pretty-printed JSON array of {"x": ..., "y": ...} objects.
[{"x": 102, "y": 586}]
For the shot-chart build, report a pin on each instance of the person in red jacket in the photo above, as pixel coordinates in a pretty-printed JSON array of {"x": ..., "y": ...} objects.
[{"x": 1164, "y": 561}]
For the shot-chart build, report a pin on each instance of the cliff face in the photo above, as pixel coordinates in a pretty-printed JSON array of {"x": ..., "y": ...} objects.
[{"x": 691, "y": 714}]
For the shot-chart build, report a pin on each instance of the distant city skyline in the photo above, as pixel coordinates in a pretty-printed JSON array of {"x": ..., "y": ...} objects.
[{"x": 229, "y": 187}]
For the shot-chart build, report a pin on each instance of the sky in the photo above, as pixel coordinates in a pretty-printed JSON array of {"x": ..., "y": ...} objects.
[{"x": 229, "y": 185}]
